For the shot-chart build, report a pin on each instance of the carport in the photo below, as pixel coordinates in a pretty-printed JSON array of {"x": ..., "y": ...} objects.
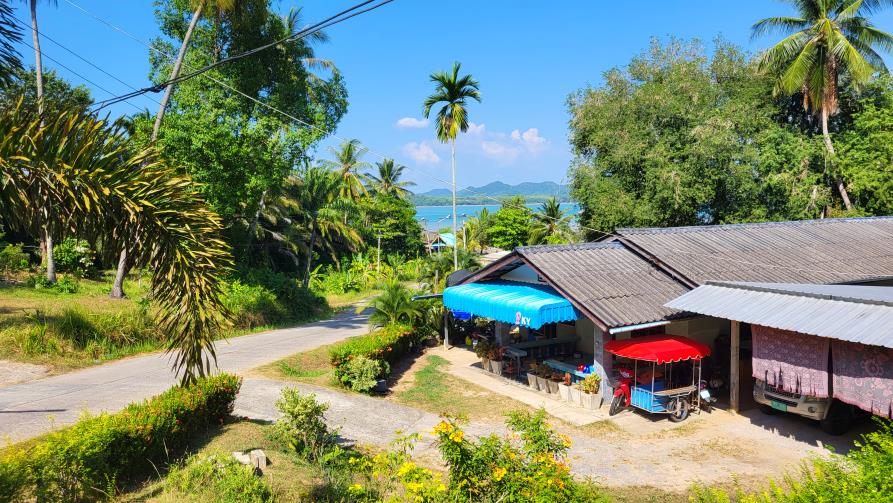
[{"x": 804, "y": 333}]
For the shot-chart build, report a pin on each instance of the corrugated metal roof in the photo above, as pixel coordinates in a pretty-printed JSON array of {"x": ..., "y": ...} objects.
[
  {"x": 861, "y": 314},
  {"x": 840, "y": 250},
  {"x": 606, "y": 279}
]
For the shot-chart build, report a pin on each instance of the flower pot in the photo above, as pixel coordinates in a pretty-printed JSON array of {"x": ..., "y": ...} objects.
[
  {"x": 576, "y": 396},
  {"x": 532, "y": 382},
  {"x": 564, "y": 391},
  {"x": 553, "y": 387},
  {"x": 485, "y": 364},
  {"x": 381, "y": 386},
  {"x": 496, "y": 367},
  {"x": 541, "y": 384},
  {"x": 592, "y": 401}
]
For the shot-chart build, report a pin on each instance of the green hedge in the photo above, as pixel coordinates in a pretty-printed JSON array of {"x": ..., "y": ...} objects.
[
  {"x": 388, "y": 344},
  {"x": 93, "y": 458}
]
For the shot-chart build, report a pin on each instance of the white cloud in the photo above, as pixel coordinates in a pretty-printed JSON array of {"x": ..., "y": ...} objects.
[
  {"x": 421, "y": 152},
  {"x": 499, "y": 151},
  {"x": 476, "y": 129},
  {"x": 531, "y": 140},
  {"x": 411, "y": 123}
]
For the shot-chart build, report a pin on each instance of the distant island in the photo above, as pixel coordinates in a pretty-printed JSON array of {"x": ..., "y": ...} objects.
[{"x": 532, "y": 192}]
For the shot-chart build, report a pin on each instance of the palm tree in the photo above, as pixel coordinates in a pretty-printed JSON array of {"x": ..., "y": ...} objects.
[
  {"x": 827, "y": 40},
  {"x": 474, "y": 231},
  {"x": 46, "y": 238},
  {"x": 388, "y": 180},
  {"x": 318, "y": 196},
  {"x": 292, "y": 23},
  {"x": 551, "y": 224},
  {"x": 199, "y": 7},
  {"x": 454, "y": 92},
  {"x": 9, "y": 35},
  {"x": 347, "y": 164},
  {"x": 103, "y": 188}
]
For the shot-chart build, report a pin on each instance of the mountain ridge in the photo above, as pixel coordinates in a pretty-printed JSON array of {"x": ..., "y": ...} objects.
[{"x": 533, "y": 191}]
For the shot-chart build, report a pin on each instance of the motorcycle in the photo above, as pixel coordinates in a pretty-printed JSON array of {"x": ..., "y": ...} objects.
[
  {"x": 622, "y": 395},
  {"x": 707, "y": 398}
]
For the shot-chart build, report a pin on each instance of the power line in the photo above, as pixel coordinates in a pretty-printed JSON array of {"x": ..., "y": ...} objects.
[
  {"x": 330, "y": 21},
  {"x": 434, "y": 177}
]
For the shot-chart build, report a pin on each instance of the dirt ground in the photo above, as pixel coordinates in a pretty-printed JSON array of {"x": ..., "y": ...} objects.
[{"x": 15, "y": 372}]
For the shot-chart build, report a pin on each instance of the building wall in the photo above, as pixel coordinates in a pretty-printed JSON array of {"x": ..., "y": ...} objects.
[
  {"x": 703, "y": 329},
  {"x": 523, "y": 274},
  {"x": 584, "y": 329}
]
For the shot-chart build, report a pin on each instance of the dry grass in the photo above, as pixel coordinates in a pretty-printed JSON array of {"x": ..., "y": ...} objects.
[
  {"x": 311, "y": 367},
  {"x": 605, "y": 428}
]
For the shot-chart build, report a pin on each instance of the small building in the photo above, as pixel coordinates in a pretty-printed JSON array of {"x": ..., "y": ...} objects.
[
  {"x": 435, "y": 242},
  {"x": 620, "y": 287}
]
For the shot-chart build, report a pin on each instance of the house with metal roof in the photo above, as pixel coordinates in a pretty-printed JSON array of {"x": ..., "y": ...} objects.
[{"x": 621, "y": 287}]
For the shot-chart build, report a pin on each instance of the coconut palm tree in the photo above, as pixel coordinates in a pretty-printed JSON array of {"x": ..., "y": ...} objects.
[
  {"x": 551, "y": 224},
  {"x": 474, "y": 231},
  {"x": 9, "y": 35},
  {"x": 388, "y": 180},
  {"x": 826, "y": 41},
  {"x": 453, "y": 92},
  {"x": 101, "y": 187},
  {"x": 199, "y": 8},
  {"x": 292, "y": 23},
  {"x": 348, "y": 165}
]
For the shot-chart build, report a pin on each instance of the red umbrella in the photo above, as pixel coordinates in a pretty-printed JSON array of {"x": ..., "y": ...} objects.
[{"x": 660, "y": 348}]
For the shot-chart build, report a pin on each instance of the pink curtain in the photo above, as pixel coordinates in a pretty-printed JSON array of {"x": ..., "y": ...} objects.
[
  {"x": 791, "y": 361},
  {"x": 863, "y": 376}
]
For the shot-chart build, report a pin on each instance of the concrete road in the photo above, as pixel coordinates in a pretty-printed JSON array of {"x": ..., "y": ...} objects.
[{"x": 32, "y": 408}]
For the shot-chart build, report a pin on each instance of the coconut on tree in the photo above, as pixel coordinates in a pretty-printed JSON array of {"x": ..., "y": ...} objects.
[
  {"x": 827, "y": 41},
  {"x": 452, "y": 93}
]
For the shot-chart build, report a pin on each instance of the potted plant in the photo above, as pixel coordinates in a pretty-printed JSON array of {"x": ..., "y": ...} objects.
[
  {"x": 531, "y": 377},
  {"x": 576, "y": 395},
  {"x": 553, "y": 381},
  {"x": 542, "y": 382},
  {"x": 496, "y": 362},
  {"x": 590, "y": 386},
  {"x": 564, "y": 387},
  {"x": 482, "y": 350}
]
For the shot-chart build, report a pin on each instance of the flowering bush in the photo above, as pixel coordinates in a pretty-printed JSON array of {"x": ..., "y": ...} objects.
[
  {"x": 387, "y": 346},
  {"x": 89, "y": 460}
]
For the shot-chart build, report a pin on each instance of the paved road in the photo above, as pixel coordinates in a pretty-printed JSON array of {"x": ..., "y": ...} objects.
[{"x": 32, "y": 408}]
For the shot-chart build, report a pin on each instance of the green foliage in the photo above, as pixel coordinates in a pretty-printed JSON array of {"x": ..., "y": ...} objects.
[
  {"x": 452, "y": 93},
  {"x": 361, "y": 373},
  {"x": 12, "y": 260},
  {"x": 10, "y": 33},
  {"x": 387, "y": 345},
  {"x": 97, "y": 455},
  {"x": 67, "y": 285},
  {"x": 551, "y": 225},
  {"x": 58, "y": 94},
  {"x": 863, "y": 475},
  {"x": 75, "y": 256},
  {"x": 510, "y": 225},
  {"x": 387, "y": 181},
  {"x": 591, "y": 383},
  {"x": 262, "y": 297},
  {"x": 302, "y": 427},
  {"x": 394, "y": 220},
  {"x": 440, "y": 265},
  {"x": 394, "y": 307},
  {"x": 218, "y": 478}
]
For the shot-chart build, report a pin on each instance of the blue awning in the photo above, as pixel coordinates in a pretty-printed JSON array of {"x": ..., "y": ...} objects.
[{"x": 512, "y": 302}]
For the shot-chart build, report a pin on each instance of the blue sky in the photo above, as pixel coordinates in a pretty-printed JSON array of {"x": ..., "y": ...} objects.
[{"x": 528, "y": 56}]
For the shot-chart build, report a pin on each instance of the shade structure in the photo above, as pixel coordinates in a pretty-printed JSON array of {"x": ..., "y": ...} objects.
[
  {"x": 523, "y": 304},
  {"x": 660, "y": 348}
]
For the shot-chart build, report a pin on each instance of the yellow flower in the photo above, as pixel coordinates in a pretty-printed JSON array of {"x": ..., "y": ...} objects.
[
  {"x": 457, "y": 436},
  {"x": 356, "y": 488},
  {"x": 499, "y": 473},
  {"x": 405, "y": 468},
  {"x": 441, "y": 488},
  {"x": 443, "y": 427}
]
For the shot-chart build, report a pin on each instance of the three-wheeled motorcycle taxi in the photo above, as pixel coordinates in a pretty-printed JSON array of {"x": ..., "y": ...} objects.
[{"x": 655, "y": 386}]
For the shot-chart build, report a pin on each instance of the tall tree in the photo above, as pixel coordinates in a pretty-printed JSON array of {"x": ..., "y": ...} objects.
[
  {"x": 453, "y": 92},
  {"x": 551, "y": 224},
  {"x": 387, "y": 181},
  {"x": 199, "y": 7},
  {"x": 46, "y": 238},
  {"x": 827, "y": 40},
  {"x": 347, "y": 162}
]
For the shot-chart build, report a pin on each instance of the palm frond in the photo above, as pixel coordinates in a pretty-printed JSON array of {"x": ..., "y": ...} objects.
[{"x": 780, "y": 24}]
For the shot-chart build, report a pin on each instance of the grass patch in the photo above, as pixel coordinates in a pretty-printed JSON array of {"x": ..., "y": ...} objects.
[
  {"x": 345, "y": 300},
  {"x": 311, "y": 367},
  {"x": 602, "y": 428},
  {"x": 433, "y": 390},
  {"x": 644, "y": 494}
]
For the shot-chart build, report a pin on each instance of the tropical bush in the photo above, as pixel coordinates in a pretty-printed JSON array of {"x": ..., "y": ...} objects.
[
  {"x": 361, "y": 373},
  {"x": 218, "y": 478},
  {"x": 75, "y": 256},
  {"x": 93, "y": 458},
  {"x": 302, "y": 427},
  {"x": 863, "y": 475},
  {"x": 261, "y": 297},
  {"x": 387, "y": 345},
  {"x": 12, "y": 260}
]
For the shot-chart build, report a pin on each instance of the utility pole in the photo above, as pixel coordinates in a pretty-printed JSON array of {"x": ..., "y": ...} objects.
[{"x": 378, "y": 258}]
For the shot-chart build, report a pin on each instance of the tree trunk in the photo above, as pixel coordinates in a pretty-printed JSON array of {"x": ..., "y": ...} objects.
[
  {"x": 118, "y": 286},
  {"x": 46, "y": 252},
  {"x": 51, "y": 263},
  {"x": 310, "y": 254},
  {"x": 175, "y": 72},
  {"x": 841, "y": 188},
  {"x": 455, "y": 238}
]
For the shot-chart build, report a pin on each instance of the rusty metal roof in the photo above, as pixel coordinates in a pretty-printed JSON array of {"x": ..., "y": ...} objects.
[
  {"x": 833, "y": 250},
  {"x": 607, "y": 280},
  {"x": 861, "y": 314}
]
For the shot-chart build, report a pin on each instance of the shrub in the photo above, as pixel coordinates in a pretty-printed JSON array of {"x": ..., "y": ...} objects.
[
  {"x": 67, "y": 285},
  {"x": 591, "y": 383},
  {"x": 263, "y": 297},
  {"x": 252, "y": 305},
  {"x": 90, "y": 459},
  {"x": 361, "y": 373},
  {"x": 12, "y": 260},
  {"x": 302, "y": 427},
  {"x": 220, "y": 479},
  {"x": 75, "y": 256},
  {"x": 388, "y": 344}
]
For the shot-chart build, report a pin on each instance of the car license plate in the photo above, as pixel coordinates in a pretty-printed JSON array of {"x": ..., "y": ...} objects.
[{"x": 779, "y": 406}]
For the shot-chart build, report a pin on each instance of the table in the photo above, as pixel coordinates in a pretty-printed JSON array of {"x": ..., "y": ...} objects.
[{"x": 566, "y": 367}]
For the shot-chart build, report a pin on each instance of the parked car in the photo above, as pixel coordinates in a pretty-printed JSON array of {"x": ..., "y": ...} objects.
[{"x": 834, "y": 416}]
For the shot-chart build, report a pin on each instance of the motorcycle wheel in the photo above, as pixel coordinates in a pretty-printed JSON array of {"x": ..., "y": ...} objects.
[
  {"x": 616, "y": 405},
  {"x": 679, "y": 406}
]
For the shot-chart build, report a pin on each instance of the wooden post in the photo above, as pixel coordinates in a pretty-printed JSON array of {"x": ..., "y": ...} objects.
[{"x": 734, "y": 401}]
